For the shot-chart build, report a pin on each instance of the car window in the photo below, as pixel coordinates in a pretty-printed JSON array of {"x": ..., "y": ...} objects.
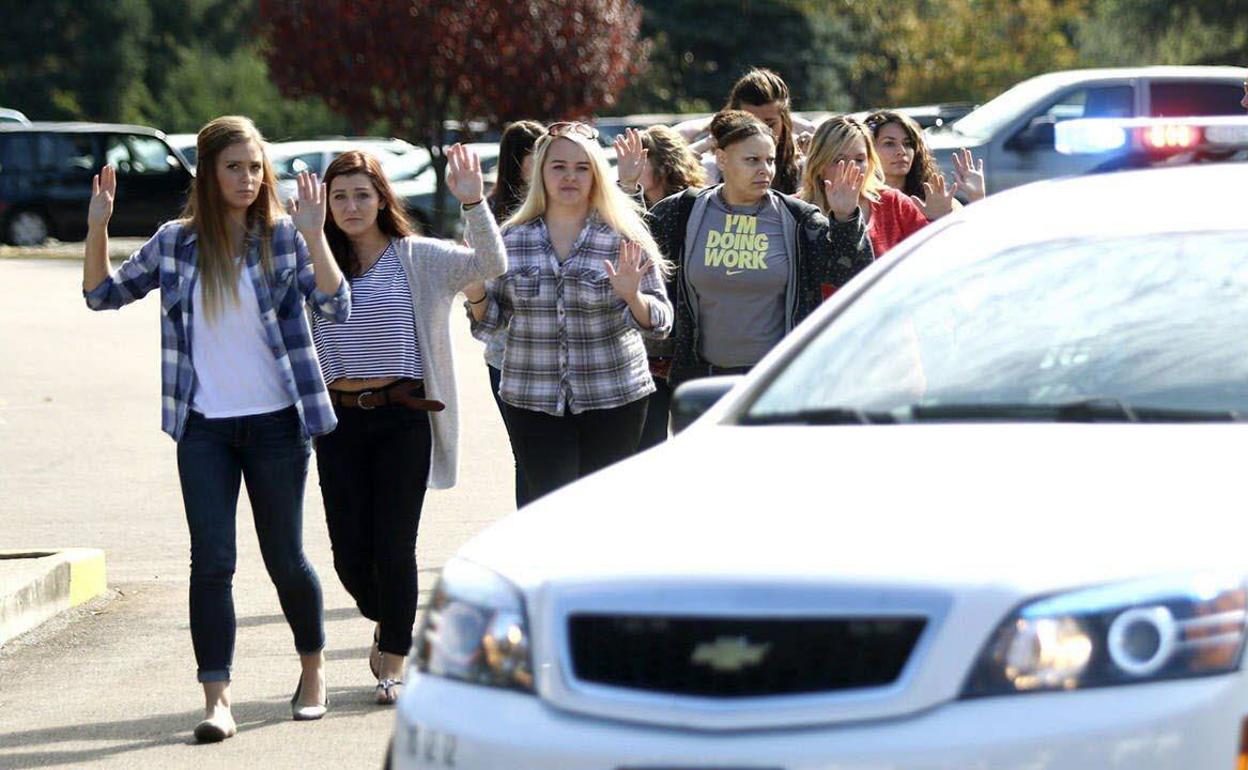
[
  {"x": 288, "y": 167},
  {"x": 1170, "y": 98},
  {"x": 17, "y": 153},
  {"x": 117, "y": 154},
  {"x": 1147, "y": 321},
  {"x": 150, "y": 155},
  {"x": 1100, "y": 102},
  {"x": 67, "y": 152}
]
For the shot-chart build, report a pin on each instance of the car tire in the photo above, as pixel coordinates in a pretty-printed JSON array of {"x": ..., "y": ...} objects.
[{"x": 27, "y": 227}]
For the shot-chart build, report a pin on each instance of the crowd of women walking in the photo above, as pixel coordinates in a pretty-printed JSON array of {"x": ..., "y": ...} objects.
[{"x": 595, "y": 297}]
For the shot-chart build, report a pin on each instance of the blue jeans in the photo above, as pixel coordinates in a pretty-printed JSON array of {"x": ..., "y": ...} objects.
[{"x": 270, "y": 453}]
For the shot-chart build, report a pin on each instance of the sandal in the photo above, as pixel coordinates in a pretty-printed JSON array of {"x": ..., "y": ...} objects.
[
  {"x": 374, "y": 653},
  {"x": 387, "y": 695}
]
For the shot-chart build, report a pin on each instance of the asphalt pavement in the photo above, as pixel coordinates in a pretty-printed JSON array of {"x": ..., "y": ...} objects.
[{"x": 83, "y": 463}]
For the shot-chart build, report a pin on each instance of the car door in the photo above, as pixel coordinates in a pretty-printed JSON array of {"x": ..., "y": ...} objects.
[
  {"x": 152, "y": 182},
  {"x": 67, "y": 162},
  {"x": 1025, "y": 152}
]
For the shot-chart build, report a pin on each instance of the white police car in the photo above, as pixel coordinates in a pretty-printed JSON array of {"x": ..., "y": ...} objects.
[{"x": 985, "y": 509}]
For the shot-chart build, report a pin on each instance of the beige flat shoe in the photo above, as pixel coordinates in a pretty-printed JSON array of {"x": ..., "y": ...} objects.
[{"x": 216, "y": 729}]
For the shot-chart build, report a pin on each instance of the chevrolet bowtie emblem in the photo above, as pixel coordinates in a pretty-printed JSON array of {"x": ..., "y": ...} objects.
[{"x": 729, "y": 653}]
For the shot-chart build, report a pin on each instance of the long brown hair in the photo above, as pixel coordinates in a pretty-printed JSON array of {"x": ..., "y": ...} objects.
[
  {"x": 509, "y": 189},
  {"x": 205, "y": 211},
  {"x": 391, "y": 218},
  {"x": 675, "y": 166},
  {"x": 924, "y": 168},
  {"x": 760, "y": 87}
]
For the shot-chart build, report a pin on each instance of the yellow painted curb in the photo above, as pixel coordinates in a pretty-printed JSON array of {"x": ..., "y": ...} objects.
[{"x": 87, "y": 576}]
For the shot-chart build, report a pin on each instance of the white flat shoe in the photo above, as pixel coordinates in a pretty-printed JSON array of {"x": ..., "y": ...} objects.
[
  {"x": 307, "y": 713},
  {"x": 216, "y": 729}
]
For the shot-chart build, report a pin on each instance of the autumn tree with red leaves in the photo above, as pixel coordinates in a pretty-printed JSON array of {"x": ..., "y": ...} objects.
[{"x": 418, "y": 63}]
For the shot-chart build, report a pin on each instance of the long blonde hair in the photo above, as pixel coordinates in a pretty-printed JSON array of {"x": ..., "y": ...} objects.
[
  {"x": 205, "y": 210},
  {"x": 620, "y": 212},
  {"x": 832, "y": 139}
]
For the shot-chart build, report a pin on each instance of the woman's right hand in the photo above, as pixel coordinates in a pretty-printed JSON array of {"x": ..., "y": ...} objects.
[
  {"x": 843, "y": 190},
  {"x": 103, "y": 193}
]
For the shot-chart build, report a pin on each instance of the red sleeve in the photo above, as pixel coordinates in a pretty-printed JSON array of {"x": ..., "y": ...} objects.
[{"x": 909, "y": 218}]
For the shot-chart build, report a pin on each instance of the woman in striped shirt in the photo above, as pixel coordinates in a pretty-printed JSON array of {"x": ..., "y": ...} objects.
[
  {"x": 584, "y": 286},
  {"x": 392, "y": 382}
]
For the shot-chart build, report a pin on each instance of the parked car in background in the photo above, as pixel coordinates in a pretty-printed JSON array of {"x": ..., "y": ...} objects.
[
  {"x": 1014, "y": 133},
  {"x": 46, "y": 171},
  {"x": 930, "y": 116},
  {"x": 983, "y": 509},
  {"x": 417, "y": 187},
  {"x": 315, "y": 155},
  {"x": 12, "y": 116},
  {"x": 186, "y": 145}
]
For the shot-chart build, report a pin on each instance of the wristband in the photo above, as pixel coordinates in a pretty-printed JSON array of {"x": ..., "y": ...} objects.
[{"x": 478, "y": 301}]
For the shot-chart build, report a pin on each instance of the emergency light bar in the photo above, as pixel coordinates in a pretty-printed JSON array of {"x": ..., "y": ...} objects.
[{"x": 1158, "y": 135}]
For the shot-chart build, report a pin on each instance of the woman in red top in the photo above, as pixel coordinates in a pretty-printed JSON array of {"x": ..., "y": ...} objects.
[
  {"x": 908, "y": 165},
  {"x": 840, "y": 141}
]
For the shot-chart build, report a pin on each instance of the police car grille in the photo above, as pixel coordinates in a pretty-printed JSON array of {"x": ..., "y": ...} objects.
[{"x": 740, "y": 657}]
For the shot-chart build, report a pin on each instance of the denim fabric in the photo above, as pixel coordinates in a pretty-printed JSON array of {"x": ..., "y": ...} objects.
[
  {"x": 270, "y": 454},
  {"x": 373, "y": 469}
]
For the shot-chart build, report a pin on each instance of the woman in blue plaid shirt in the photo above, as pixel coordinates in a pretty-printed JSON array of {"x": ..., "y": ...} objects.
[
  {"x": 584, "y": 285},
  {"x": 241, "y": 385}
]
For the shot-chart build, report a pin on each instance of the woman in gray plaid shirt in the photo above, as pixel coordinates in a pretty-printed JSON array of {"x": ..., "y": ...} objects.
[{"x": 584, "y": 286}]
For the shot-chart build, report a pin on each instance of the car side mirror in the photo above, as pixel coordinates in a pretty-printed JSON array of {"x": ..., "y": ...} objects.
[
  {"x": 1040, "y": 134},
  {"x": 692, "y": 399}
]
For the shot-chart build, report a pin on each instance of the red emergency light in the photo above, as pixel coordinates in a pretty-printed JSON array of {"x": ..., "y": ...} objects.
[{"x": 1171, "y": 136}]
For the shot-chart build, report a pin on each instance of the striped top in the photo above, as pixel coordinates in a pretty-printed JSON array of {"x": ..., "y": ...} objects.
[{"x": 379, "y": 339}]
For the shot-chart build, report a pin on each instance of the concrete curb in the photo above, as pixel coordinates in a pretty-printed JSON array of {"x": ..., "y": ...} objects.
[{"x": 37, "y": 584}]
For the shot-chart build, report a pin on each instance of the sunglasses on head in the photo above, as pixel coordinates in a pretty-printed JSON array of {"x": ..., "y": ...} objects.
[{"x": 564, "y": 127}]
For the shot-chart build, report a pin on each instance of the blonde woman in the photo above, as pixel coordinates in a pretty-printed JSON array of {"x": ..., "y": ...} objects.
[
  {"x": 890, "y": 214},
  {"x": 242, "y": 389},
  {"x": 583, "y": 286}
]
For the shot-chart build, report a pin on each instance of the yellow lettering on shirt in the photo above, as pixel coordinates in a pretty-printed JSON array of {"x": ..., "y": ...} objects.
[{"x": 739, "y": 246}]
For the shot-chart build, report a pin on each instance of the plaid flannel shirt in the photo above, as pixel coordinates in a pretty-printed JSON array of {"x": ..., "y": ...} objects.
[
  {"x": 572, "y": 343},
  {"x": 168, "y": 260}
]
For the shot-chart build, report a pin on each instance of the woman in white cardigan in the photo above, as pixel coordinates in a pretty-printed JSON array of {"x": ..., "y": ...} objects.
[{"x": 392, "y": 382}]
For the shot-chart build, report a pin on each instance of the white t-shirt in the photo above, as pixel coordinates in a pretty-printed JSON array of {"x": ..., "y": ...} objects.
[{"x": 236, "y": 371}]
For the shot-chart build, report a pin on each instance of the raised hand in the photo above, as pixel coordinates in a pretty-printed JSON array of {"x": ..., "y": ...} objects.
[
  {"x": 103, "y": 193},
  {"x": 969, "y": 175},
  {"x": 803, "y": 141},
  {"x": 844, "y": 189},
  {"x": 633, "y": 265},
  {"x": 307, "y": 210},
  {"x": 937, "y": 200},
  {"x": 463, "y": 175},
  {"x": 632, "y": 157}
]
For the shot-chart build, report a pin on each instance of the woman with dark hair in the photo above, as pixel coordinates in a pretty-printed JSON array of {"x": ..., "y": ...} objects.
[
  {"x": 765, "y": 95},
  {"x": 242, "y": 391},
  {"x": 907, "y": 165},
  {"x": 515, "y": 169},
  {"x": 392, "y": 384},
  {"x": 750, "y": 262}
]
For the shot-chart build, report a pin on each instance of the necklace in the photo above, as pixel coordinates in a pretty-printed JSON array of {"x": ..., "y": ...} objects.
[{"x": 757, "y": 208}]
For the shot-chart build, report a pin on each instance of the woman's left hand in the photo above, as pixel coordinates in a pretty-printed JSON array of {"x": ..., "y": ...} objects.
[
  {"x": 843, "y": 190},
  {"x": 307, "y": 211},
  {"x": 631, "y": 158},
  {"x": 633, "y": 265},
  {"x": 969, "y": 175},
  {"x": 463, "y": 175},
  {"x": 938, "y": 200}
]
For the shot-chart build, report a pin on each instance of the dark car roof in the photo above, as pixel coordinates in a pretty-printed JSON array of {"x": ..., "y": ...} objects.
[{"x": 80, "y": 128}]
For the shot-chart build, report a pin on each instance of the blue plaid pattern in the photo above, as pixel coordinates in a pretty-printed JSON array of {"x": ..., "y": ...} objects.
[
  {"x": 571, "y": 342},
  {"x": 168, "y": 260}
]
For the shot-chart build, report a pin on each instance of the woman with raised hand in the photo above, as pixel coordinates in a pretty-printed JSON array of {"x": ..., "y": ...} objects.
[
  {"x": 660, "y": 163},
  {"x": 765, "y": 95},
  {"x": 392, "y": 382},
  {"x": 751, "y": 262},
  {"x": 242, "y": 389},
  {"x": 907, "y": 165},
  {"x": 844, "y": 142},
  {"x": 584, "y": 285},
  {"x": 515, "y": 170}
]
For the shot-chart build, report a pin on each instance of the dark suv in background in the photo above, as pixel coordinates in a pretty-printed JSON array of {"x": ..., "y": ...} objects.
[{"x": 46, "y": 171}]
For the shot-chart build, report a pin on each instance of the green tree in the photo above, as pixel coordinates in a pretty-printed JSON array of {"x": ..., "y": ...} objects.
[
  {"x": 1133, "y": 32},
  {"x": 700, "y": 47},
  {"x": 75, "y": 59}
]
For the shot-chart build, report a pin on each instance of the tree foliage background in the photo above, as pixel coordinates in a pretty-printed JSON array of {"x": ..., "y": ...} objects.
[{"x": 176, "y": 63}]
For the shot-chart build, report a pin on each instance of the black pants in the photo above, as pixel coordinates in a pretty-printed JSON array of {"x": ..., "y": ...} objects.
[
  {"x": 522, "y": 484},
  {"x": 658, "y": 415},
  {"x": 373, "y": 469},
  {"x": 555, "y": 451}
]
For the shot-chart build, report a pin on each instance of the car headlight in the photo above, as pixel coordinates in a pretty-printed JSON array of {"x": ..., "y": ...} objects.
[
  {"x": 1124, "y": 633},
  {"x": 476, "y": 630}
]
